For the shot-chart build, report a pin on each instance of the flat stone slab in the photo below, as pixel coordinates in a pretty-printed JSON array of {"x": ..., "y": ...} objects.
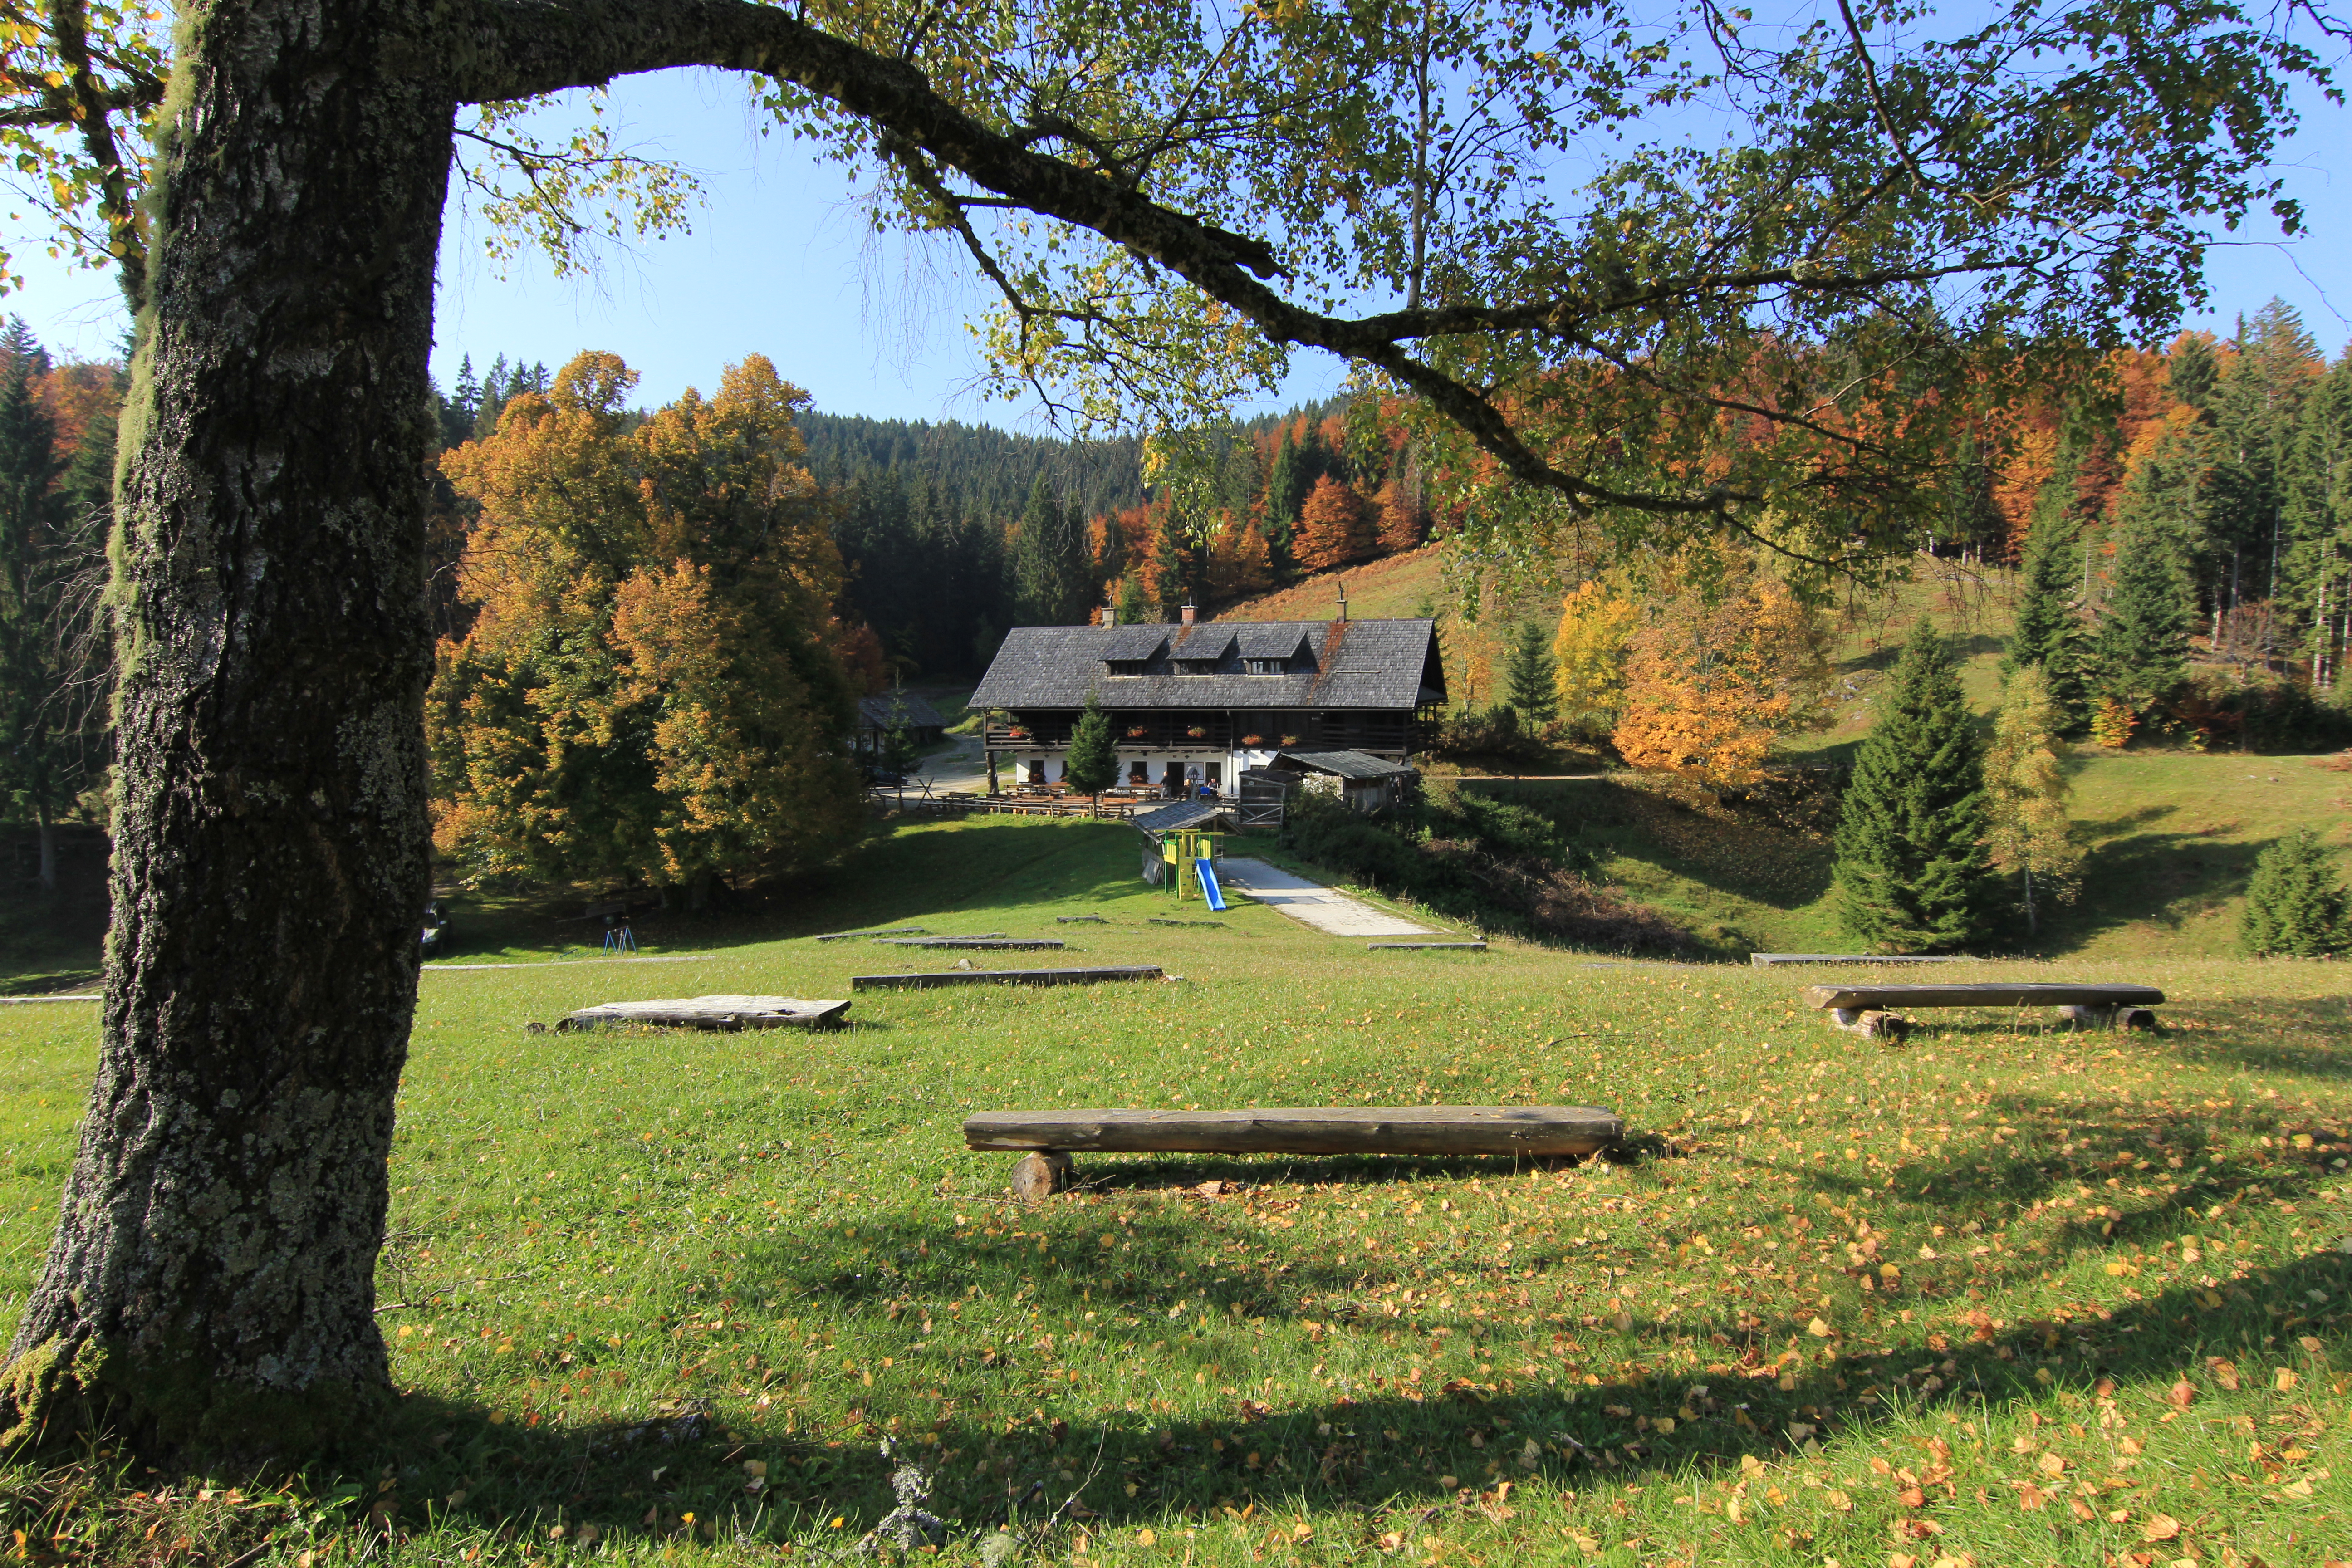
[
  {"x": 1534, "y": 1130},
  {"x": 1004, "y": 977},
  {"x": 863, "y": 935},
  {"x": 995, "y": 943},
  {"x": 1424, "y": 947},
  {"x": 1311, "y": 903},
  {"x": 709, "y": 1013},
  {"x": 1991, "y": 994}
]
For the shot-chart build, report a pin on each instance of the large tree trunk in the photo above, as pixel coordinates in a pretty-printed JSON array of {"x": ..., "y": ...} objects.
[{"x": 211, "y": 1285}]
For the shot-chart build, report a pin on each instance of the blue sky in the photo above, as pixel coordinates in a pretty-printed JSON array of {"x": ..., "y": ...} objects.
[{"x": 779, "y": 261}]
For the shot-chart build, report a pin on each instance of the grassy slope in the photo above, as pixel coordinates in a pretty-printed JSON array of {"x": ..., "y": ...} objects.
[
  {"x": 2172, "y": 835},
  {"x": 1673, "y": 1361}
]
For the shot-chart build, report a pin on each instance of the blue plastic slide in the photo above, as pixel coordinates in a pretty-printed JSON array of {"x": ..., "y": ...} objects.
[{"x": 1209, "y": 888}]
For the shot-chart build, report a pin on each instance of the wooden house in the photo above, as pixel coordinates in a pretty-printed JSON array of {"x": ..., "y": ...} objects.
[
  {"x": 1195, "y": 704},
  {"x": 876, "y": 715}
]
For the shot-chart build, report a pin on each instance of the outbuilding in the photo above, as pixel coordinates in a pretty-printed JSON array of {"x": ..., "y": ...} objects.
[{"x": 1357, "y": 779}]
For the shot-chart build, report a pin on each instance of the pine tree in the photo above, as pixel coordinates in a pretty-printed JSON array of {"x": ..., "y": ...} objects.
[
  {"x": 2050, "y": 633},
  {"x": 1092, "y": 763},
  {"x": 2026, "y": 791},
  {"x": 2296, "y": 903},
  {"x": 1912, "y": 872},
  {"x": 1530, "y": 677},
  {"x": 2141, "y": 654}
]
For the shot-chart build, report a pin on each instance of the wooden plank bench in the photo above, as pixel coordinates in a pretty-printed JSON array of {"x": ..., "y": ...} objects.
[
  {"x": 1774, "y": 960},
  {"x": 1871, "y": 1009},
  {"x": 1048, "y": 1137},
  {"x": 1424, "y": 947},
  {"x": 1004, "y": 977},
  {"x": 709, "y": 1013}
]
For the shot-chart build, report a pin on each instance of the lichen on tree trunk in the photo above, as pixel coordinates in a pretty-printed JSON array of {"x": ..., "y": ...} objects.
[{"x": 211, "y": 1285}]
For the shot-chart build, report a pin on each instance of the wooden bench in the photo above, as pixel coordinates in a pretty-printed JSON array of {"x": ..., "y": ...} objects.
[
  {"x": 1003, "y": 977},
  {"x": 1049, "y": 1137},
  {"x": 1871, "y": 1009}
]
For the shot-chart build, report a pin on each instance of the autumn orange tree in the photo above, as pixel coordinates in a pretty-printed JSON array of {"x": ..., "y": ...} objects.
[
  {"x": 651, "y": 689},
  {"x": 1336, "y": 527},
  {"x": 1721, "y": 659}
]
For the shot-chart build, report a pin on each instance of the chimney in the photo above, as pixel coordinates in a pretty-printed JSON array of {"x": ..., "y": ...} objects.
[
  {"x": 1189, "y": 611},
  {"x": 1343, "y": 599},
  {"x": 1109, "y": 612}
]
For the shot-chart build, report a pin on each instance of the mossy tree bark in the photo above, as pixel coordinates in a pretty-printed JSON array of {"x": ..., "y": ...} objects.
[{"x": 211, "y": 1281}]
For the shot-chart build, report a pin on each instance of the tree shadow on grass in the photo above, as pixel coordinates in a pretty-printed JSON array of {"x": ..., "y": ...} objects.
[
  {"x": 2162, "y": 878},
  {"x": 1000, "y": 1409}
]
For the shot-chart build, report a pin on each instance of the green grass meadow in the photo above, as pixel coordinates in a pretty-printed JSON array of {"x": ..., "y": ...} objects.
[{"x": 1999, "y": 1295}]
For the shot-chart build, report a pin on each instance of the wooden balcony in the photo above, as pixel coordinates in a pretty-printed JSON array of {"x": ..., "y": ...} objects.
[{"x": 1388, "y": 733}]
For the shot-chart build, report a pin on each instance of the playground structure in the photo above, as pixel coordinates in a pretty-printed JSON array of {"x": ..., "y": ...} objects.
[{"x": 1191, "y": 855}]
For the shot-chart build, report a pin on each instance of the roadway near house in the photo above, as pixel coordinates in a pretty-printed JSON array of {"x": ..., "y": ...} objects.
[{"x": 1311, "y": 903}]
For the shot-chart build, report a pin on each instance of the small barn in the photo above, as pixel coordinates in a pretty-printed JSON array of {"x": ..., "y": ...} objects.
[
  {"x": 1359, "y": 779},
  {"x": 877, "y": 716}
]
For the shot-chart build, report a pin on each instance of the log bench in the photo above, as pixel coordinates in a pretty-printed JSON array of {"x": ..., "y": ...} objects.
[
  {"x": 1048, "y": 1137},
  {"x": 1871, "y": 1009}
]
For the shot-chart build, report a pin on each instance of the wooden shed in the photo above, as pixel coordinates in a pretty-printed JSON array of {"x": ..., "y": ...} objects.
[{"x": 1362, "y": 781}]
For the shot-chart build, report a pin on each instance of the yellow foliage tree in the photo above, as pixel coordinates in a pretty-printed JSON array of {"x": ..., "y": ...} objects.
[
  {"x": 1722, "y": 660},
  {"x": 1589, "y": 652},
  {"x": 651, "y": 689}
]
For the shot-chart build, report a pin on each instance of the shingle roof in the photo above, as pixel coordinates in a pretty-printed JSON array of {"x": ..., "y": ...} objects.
[
  {"x": 1203, "y": 643},
  {"x": 1347, "y": 764},
  {"x": 1390, "y": 664},
  {"x": 1177, "y": 816},
  {"x": 1124, "y": 642},
  {"x": 878, "y": 711},
  {"x": 1270, "y": 639}
]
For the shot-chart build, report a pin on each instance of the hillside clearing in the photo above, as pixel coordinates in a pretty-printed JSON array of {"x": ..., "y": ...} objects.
[{"x": 1847, "y": 1302}]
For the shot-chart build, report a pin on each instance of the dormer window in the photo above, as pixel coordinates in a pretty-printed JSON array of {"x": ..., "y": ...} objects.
[
  {"x": 1263, "y": 667},
  {"x": 1196, "y": 667},
  {"x": 1126, "y": 666}
]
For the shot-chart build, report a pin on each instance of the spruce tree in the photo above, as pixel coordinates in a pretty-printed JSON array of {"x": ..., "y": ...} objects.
[
  {"x": 1530, "y": 676},
  {"x": 2141, "y": 654},
  {"x": 1092, "y": 764},
  {"x": 1287, "y": 485},
  {"x": 1912, "y": 872},
  {"x": 2050, "y": 632},
  {"x": 1052, "y": 568},
  {"x": 2296, "y": 903}
]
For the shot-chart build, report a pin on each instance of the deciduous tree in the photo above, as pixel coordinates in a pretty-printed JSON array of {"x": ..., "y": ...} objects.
[
  {"x": 649, "y": 691},
  {"x": 1589, "y": 652},
  {"x": 1337, "y": 527},
  {"x": 2029, "y": 834},
  {"x": 1721, "y": 659}
]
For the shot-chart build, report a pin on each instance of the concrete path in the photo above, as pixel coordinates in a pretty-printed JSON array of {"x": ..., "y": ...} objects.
[{"x": 1311, "y": 903}]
